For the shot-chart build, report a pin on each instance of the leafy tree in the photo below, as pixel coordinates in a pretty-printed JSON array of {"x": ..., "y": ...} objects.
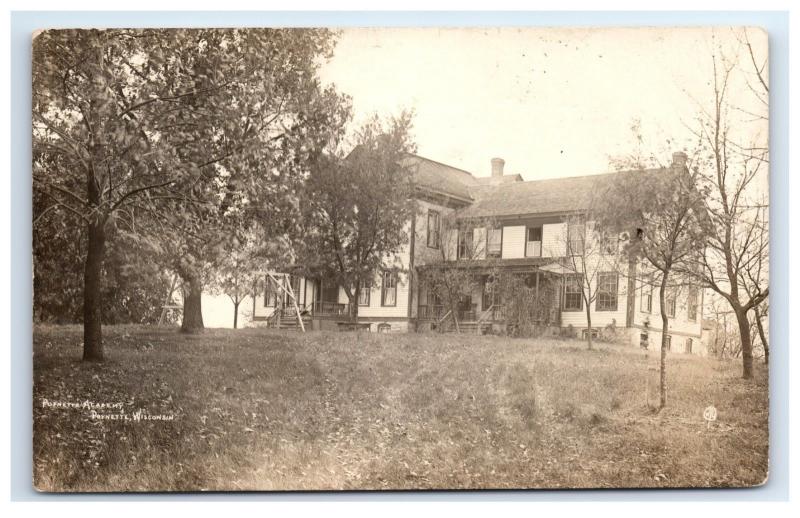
[
  {"x": 152, "y": 125},
  {"x": 357, "y": 208},
  {"x": 240, "y": 270},
  {"x": 97, "y": 97},
  {"x": 235, "y": 275},
  {"x": 662, "y": 212},
  {"x": 256, "y": 136}
]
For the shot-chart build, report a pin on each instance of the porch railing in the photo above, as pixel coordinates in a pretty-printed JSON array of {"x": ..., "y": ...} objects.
[
  {"x": 425, "y": 312},
  {"x": 533, "y": 249},
  {"x": 330, "y": 308},
  {"x": 494, "y": 313}
]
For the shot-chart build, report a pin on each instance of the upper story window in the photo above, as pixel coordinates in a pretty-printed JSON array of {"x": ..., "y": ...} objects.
[
  {"x": 576, "y": 238},
  {"x": 494, "y": 242},
  {"x": 691, "y": 305},
  {"x": 533, "y": 242},
  {"x": 434, "y": 228},
  {"x": 464, "y": 249},
  {"x": 607, "y": 286},
  {"x": 573, "y": 294},
  {"x": 389, "y": 289},
  {"x": 607, "y": 243},
  {"x": 647, "y": 299}
]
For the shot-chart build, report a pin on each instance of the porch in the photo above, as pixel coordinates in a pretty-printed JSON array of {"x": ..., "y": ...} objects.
[{"x": 503, "y": 299}]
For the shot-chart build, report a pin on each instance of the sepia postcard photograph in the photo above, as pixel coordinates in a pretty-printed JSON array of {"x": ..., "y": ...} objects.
[{"x": 384, "y": 258}]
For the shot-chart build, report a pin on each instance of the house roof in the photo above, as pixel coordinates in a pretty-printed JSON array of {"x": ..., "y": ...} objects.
[
  {"x": 509, "y": 195},
  {"x": 553, "y": 196},
  {"x": 440, "y": 178},
  {"x": 506, "y": 178}
]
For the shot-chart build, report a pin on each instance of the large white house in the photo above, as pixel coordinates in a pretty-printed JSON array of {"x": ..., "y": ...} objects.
[{"x": 503, "y": 224}]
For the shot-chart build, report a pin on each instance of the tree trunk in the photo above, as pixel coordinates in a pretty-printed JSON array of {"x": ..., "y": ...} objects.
[
  {"x": 92, "y": 293},
  {"x": 454, "y": 314},
  {"x": 235, "y": 315},
  {"x": 747, "y": 343},
  {"x": 664, "y": 332},
  {"x": 354, "y": 309},
  {"x": 762, "y": 335},
  {"x": 192, "y": 305},
  {"x": 589, "y": 326}
]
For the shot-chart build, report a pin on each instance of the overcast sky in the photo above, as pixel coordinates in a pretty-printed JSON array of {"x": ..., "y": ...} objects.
[{"x": 551, "y": 102}]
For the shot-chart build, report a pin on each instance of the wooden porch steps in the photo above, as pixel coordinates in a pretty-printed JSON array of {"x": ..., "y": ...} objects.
[
  {"x": 470, "y": 327},
  {"x": 289, "y": 323}
]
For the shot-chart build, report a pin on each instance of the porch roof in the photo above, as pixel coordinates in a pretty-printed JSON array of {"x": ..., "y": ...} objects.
[{"x": 522, "y": 264}]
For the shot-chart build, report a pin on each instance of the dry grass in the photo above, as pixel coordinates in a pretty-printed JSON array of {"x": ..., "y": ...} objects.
[{"x": 269, "y": 410}]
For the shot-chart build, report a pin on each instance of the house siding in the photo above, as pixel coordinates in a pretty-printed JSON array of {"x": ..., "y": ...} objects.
[
  {"x": 422, "y": 252},
  {"x": 600, "y": 319},
  {"x": 680, "y": 327}
]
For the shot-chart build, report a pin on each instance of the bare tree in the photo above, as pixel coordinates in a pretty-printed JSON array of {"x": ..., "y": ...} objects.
[
  {"x": 591, "y": 254},
  {"x": 732, "y": 162},
  {"x": 662, "y": 212},
  {"x": 449, "y": 277}
]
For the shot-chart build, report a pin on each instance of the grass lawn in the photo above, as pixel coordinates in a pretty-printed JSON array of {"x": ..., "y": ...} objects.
[{"x": 261, "y": 409}]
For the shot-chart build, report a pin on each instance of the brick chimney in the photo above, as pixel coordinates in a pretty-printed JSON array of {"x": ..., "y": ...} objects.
[
  {"x": 679, "y": 159},
  {"x": 497, "y": 167}
]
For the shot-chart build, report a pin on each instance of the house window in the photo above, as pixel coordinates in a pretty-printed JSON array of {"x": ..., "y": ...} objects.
[
  {"x": 607, "y": 286},
  {"x": 692, "y": 305},
  {"x": 671, "y": 303},
  {"x": 608, "y": 243},
  {"x": 364, "y": 292},
  {"x": 669, "y": 342},
  {"x": 465, "y": 250},
  {"x": 576, "y": 236},
  {"x": 389, "y": 289},
  {"x": 647, "y": 299},
  {"x": 689, "y": 345},
  {"x": 573, "y": 295},
  {"x": 533, "y": 242},
  {"x": 270, "y": 295},
  {"x": 494, "y": 242},
  {"x": 433, "y": 229}
]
